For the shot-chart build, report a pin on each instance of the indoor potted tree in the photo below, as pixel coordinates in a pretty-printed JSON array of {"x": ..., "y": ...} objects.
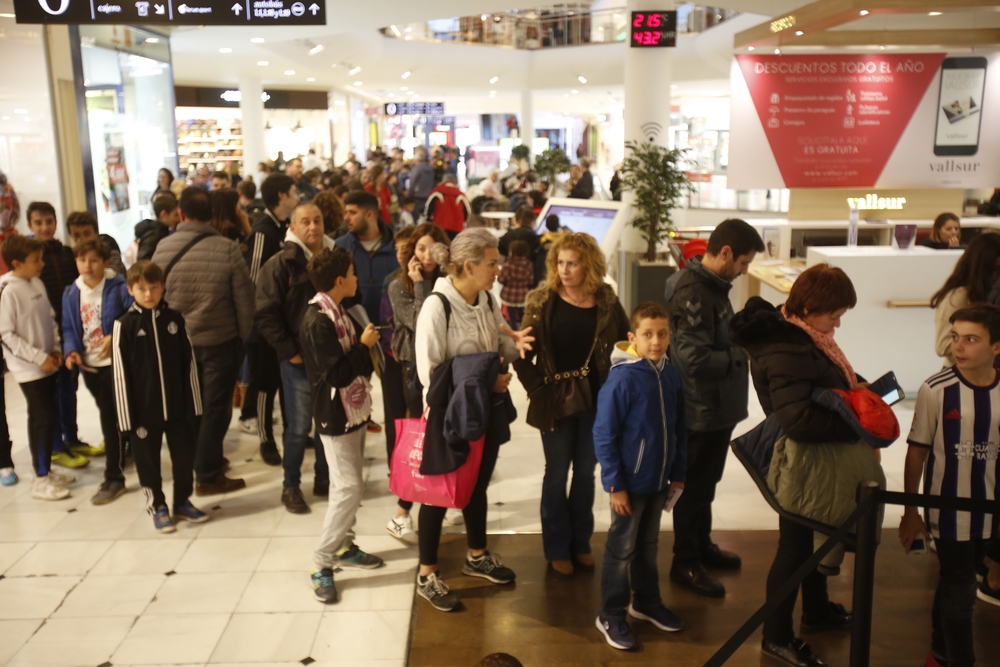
[
  {"x": 522, "y": 155},
  {"x": 654, "y": 176},
  {"x": 551, "y": 163}
]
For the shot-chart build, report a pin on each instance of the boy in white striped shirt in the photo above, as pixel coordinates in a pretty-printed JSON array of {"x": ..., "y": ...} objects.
[{"x": 953, "y": 445}]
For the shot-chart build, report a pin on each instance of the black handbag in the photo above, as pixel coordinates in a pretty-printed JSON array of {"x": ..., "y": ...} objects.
[{"x": 571, "y": 390}]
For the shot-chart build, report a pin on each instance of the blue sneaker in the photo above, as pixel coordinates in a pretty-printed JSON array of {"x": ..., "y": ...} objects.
[
  {"x": 323, "y": 587},
  {"x": 189, "y": 512},
  {"x": 659, "y": 616},
  {"x": 162, "y": 521},
  {"x": 617, "y": 634},
  {"x": 355, "y": 557},
  {"x": 8, "y": 477}
]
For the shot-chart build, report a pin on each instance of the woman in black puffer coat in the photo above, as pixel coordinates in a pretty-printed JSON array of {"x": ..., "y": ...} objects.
[{"x": 787, "y": 364}]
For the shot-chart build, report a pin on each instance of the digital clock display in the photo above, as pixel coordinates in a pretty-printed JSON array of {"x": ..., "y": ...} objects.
[{"x": 654, "y": 29}]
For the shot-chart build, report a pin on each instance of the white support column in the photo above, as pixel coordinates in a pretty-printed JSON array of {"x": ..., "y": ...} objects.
[
  {"x": 527, "y": 132},
  {"x": 252, "y": 112},
  {"x": 648, "y": 75}
]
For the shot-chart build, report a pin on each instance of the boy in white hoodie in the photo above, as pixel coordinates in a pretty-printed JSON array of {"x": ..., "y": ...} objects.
[{"x": 31, "y": 349}]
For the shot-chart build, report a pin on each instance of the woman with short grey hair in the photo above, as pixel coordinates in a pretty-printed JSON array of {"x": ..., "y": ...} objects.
[{"x": 474, "y": 325}]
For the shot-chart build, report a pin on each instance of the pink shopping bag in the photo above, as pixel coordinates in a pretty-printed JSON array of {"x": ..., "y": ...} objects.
[{"x": 453, "y": 489}]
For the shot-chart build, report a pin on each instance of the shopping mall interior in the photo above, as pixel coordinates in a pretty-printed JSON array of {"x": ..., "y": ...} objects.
[{"x": 839, "y": 130}]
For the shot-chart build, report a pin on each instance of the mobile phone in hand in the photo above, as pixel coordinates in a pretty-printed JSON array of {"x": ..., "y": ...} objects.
[{"x": 919, "y": 546}]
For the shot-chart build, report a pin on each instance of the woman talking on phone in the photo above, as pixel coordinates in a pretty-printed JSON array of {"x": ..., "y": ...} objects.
[
  {"x": 407, "y": 291},
  {"x": 470, "y": 323}
]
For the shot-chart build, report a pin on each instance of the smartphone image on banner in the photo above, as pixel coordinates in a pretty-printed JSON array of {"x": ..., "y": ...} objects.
[{"x": 960, "y": 106}]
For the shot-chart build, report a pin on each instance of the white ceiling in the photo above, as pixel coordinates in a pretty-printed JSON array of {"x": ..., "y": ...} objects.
[
  {"x": 456, "y": 73},
  {"x": 459, "y": 73}
]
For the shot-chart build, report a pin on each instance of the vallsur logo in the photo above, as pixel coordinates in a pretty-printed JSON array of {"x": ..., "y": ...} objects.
[{"x": 63, "y": 6}]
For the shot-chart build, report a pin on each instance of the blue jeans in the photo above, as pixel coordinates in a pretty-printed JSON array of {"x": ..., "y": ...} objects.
[
  {"x": 632, "y": 546},
  {"x": 67, "y": 382},
  {"x": 568, "y": 522},
  {"x": 298, "y": 425}
]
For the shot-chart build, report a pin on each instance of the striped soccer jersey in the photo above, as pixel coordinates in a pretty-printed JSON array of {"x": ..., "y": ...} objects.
[{"x": 960, "y": 424}]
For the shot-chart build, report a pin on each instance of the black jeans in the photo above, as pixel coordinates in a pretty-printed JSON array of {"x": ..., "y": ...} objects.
[
  {"x": 5, "y": 443},
  {"x": 954, "y": 599},
  {"x": 218, "y": 368},
  {"x": 795, "y": 546},
  {"x": 394, "y": 406},
  {"x": 265, "y": 380},
  {"x": 568, "y": 520},
  {"x": 101, "y": 385},
  {"x": 412, "y": 389},
  {"x": 429, "y": 522},
  {"x": 146, "y": 444},
  {"x": 40, "y": 395},
  {"x": 707, "y": 452}
]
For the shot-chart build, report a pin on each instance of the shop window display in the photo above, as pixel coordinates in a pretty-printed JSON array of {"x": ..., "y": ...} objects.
[{"x": 130, "y": 115}]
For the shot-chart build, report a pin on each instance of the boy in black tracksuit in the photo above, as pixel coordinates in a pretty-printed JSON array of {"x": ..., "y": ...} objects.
[{"x": 157, "y": 392}]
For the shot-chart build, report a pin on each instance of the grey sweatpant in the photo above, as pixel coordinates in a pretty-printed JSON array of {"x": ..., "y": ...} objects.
[{"x": 345, "y": 456}]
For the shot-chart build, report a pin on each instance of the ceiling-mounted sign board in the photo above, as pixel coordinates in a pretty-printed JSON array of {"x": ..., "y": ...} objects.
[
  {"x": 173, "y": 12},
  {"x": 414, "y": 108}
]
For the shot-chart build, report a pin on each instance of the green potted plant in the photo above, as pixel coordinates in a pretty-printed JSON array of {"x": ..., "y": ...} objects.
[
  {"x": 551, "y": 163},
  {"x": 653, "y": 175},
  {"x": 522, "y": 154}
]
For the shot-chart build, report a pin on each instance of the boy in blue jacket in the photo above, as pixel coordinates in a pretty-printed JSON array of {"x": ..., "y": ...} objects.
[
  {"x": 91, "y": 304},
  {"x": 641, "y": 444}
]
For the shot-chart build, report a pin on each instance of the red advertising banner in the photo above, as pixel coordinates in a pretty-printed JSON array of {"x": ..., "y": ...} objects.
[{"x": 834, "y": 120}]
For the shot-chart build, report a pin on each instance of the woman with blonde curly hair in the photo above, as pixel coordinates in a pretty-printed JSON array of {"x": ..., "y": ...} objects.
[{"x": 577, "y": 319}]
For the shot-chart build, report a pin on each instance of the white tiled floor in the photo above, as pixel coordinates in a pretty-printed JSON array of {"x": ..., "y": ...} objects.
[{"x": 83, "y": 585}]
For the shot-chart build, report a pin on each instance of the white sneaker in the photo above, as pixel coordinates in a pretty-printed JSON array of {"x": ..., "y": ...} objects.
[
  {"x": 249, "y": 425},
  {"x": 453, "y": 517},
  {"x": 61, "y": 479},
  {"x": 402, "y": 527},
  {"x": 43, "y": 489}
]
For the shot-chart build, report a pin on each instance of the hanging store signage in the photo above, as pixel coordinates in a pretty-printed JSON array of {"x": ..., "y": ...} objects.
[
  {"x": 864, "y": 120},
  {"x": 173, "y": 12},
  {"x": 654, "y": 29},
  {"x": 414, "y": 108}
]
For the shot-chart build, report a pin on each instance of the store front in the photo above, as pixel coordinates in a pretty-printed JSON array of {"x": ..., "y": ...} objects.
[
  {"x": 210, "y": 127},
  {"x": 128, "y": 97}
]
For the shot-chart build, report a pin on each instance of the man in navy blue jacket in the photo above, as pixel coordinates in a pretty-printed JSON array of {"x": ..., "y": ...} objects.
[
  {"x": 370, "y": 241},
  {"x": 641, "y": 443}
]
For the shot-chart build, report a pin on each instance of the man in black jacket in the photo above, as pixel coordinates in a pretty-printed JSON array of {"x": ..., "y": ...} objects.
[
  {"x": 267, "y": 236},
  {"x": 283, "y": 293},
  {"x": 716, "y": 386},
  {"x": 584, "y": 188},
  {"x": 150, "y": 232}
]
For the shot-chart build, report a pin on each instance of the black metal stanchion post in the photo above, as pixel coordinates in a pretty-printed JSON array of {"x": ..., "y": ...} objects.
[{"x": 864, "y": 574}]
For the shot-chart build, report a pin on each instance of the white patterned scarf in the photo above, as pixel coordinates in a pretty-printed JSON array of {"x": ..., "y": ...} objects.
[{"x": 357, "y": 396}]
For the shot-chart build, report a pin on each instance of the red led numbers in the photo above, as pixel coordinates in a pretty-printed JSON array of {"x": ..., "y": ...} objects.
[{"x": 654, "y": 28}]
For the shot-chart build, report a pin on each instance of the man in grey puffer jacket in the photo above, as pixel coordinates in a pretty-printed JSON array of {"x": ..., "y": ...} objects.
[{"x": 210, "y": 286}]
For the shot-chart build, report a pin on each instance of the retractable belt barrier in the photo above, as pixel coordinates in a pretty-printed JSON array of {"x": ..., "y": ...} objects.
[{"x": 870, "y": 500}]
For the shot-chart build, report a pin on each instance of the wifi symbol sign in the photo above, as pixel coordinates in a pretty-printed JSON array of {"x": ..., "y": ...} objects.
[{"x": 651, "y": 130}]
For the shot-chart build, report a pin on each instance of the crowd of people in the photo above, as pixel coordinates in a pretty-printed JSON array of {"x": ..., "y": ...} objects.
[{"x": 306, "y": 290}]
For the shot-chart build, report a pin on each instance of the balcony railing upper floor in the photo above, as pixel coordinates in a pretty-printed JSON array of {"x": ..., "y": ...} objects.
[{"x": 567, "y": 24}]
